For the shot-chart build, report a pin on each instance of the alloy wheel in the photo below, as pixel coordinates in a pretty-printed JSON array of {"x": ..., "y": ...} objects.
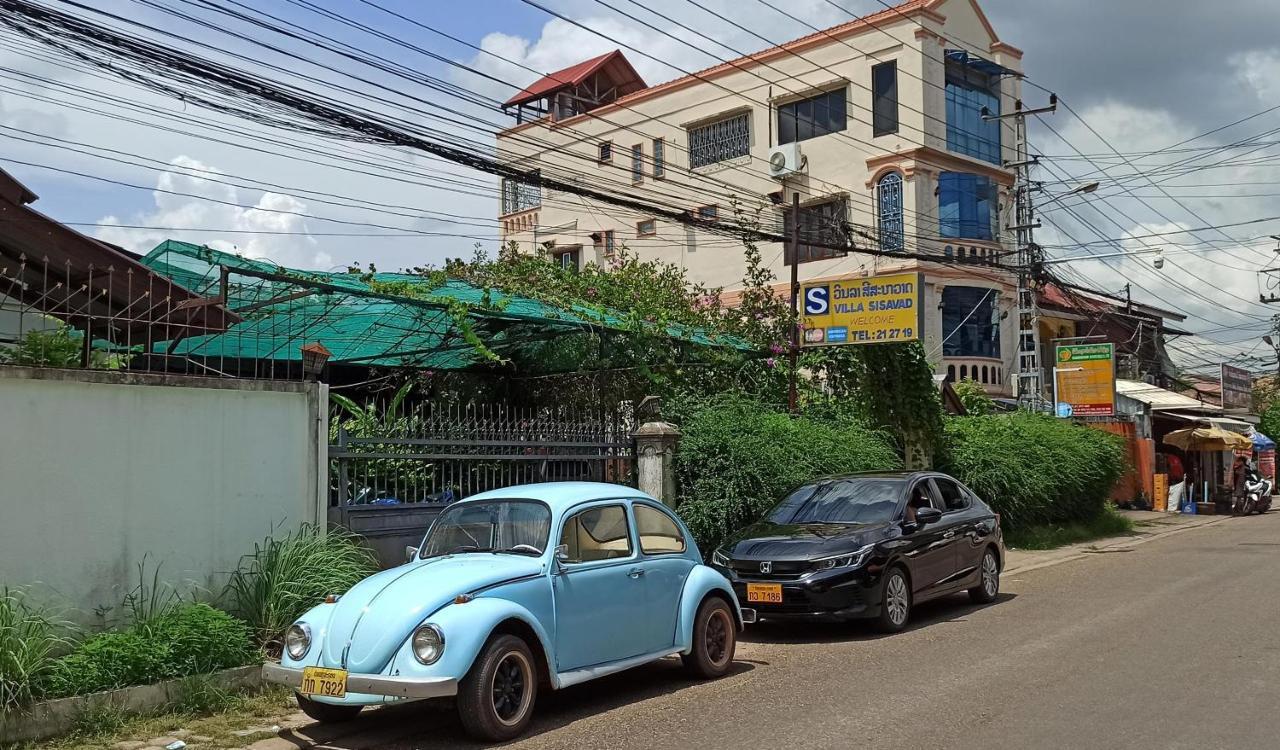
[
  {"x": 896, "y": 599},
  {"x": 511, "y": 681},
  {"x": 990, "y": 575}
]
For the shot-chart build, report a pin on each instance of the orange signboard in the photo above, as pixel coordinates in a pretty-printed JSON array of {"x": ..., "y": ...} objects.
[{"x": 1085, "y": 379}]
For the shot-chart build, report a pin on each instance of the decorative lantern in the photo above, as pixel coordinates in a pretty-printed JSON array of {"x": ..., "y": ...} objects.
[{"x": 314, "y": 357}]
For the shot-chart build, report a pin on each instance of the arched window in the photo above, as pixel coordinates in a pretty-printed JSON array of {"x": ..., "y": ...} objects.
[
  {"x": 985, "y": 376},
  {"x": 889, "y": 197},
  {"x": 951, "y": 373},
  {"x": 964, "y": 372}
]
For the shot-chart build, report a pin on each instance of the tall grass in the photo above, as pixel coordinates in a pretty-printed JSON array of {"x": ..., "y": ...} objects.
[
  {"x": 285, "y": 576},
  {"x": 30, "y": 637}
]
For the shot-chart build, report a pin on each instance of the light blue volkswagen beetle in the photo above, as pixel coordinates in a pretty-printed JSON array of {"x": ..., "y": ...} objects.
[{"x": 537, "y": 585}]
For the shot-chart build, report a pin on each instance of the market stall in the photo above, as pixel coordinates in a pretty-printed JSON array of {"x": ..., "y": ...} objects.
[{"x": 1210, "y": 452}]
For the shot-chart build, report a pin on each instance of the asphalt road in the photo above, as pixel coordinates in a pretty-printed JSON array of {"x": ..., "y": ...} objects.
[{"x": 1171, "y": 644}]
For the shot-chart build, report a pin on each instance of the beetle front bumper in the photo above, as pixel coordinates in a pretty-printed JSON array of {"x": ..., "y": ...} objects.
[{"x": 372, "y": 684}]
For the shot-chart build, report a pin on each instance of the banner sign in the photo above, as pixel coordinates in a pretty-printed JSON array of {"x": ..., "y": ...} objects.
[
  {"x": 875, "y": 310},
  {"x": 1237, "y": 388},
  {"x": 1085, "y": 379}
]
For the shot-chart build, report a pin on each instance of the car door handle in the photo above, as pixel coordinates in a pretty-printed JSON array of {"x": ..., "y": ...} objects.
[
  {"x": 635, "y": 572},
  {"x": 948, "y": 534}
]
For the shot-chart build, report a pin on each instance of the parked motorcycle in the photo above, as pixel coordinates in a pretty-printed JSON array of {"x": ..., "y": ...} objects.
[{"x": 1257, "y": 495}]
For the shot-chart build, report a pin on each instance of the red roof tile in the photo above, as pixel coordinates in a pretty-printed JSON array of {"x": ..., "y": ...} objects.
[{"x": 576, "y": 74}]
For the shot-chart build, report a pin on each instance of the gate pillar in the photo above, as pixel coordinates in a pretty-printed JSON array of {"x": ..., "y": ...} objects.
[{"x": 655, "y": 460}]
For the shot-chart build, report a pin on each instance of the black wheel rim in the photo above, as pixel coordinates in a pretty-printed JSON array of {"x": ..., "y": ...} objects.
[
  {"x": 511, "y": 688},
  {"x": 716, "y": 637}
]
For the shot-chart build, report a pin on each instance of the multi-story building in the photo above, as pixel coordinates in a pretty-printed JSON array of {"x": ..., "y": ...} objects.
[{"x": 878, "y": 124}]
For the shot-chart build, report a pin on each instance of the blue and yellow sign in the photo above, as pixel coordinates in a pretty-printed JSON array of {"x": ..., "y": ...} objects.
[{"x": 875, "y": 310}]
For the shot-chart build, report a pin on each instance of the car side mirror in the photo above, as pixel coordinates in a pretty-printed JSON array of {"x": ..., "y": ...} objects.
[
  {"x": 925, "y": 516},
  {"x": 562, "y": 556},
  {"x": 410, "y": 553}
]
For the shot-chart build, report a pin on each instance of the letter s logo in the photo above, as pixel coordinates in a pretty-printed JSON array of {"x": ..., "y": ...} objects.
[{"x": 817, "y": 300}]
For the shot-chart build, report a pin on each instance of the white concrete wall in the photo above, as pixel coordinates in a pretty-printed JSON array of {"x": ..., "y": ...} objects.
[{"x": 99, "y": 470}]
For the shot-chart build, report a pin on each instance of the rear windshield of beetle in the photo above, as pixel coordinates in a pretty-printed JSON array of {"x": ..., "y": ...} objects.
[{"x": 841, "y": 501}]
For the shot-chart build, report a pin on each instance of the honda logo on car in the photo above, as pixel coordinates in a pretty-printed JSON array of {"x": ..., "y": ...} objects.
[
  {"x": 766, "y": 567},
  {"x": 863, "y": 311}
]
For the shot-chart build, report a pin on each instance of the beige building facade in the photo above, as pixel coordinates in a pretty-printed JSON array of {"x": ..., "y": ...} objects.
[{"x": 877, "y": 124}]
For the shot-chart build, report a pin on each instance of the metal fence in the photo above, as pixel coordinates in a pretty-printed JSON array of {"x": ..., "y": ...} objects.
[{"x": 431, "y": 453}]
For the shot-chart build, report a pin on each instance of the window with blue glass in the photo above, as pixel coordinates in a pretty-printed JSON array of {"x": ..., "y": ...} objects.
[
  {"x": 889, "y": 207},
  {"x": 966, "y": 206},
  {"x": 969, "y": 90},
  {"x": 970, "y": 322}
]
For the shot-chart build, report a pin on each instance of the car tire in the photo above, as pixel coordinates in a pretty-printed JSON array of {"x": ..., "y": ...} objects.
[
  {"x": 495, "y": 699},
  {"x": 715, "y": 638},
  {"x": 327, "y": 713},
  {"x": 988, "y": 587},
  {"x": 895, "y": 601}
]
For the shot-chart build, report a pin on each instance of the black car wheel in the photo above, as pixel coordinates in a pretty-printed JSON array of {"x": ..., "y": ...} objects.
[
  {"x": 895, "y": 603},
  {"x": 495, "y": 699},
  {"x": 988, "y": 580},
  {"x": 327, "y": 713},
  {"x": 715, "y": 637}
]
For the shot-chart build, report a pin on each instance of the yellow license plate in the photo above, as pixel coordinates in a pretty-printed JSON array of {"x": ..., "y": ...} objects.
[
  {"x": 331, "y": 683},
  {"x": 769, "y": 593}
]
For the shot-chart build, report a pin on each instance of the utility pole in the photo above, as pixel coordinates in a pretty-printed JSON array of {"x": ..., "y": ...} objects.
[
  {"x": 1030, "y": 258},
  {"x": 793, "y": 398}
]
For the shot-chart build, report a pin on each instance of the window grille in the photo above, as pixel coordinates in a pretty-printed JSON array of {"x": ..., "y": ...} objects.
[{"x": 726, "y": 139}]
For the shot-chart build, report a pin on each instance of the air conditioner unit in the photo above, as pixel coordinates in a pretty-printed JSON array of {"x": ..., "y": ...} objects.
[{"x": 785, "y": 160}]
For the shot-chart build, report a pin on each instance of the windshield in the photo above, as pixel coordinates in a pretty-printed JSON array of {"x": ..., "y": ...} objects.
[
  {"x": 841, "y": 501},
  {"x": 516, "y": 526}
]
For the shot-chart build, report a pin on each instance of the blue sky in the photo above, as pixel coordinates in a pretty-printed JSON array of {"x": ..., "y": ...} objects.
[{"x": 1123, "y": 67}]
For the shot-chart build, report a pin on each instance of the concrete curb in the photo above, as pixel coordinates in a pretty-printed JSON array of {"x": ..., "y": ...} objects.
[
  {"x": 50, "y": 718},
  {"x": 1081, "y": 551}
]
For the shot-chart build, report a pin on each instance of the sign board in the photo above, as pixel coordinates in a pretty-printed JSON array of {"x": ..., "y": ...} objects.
[
  {"x": 1237, "y": 388},
  {"x": 1085, "y": 378},
  {"x": 874, "y": 310}
]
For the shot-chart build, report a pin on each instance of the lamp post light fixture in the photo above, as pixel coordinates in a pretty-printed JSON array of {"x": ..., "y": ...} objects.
[{"x": 314, "y": 357}]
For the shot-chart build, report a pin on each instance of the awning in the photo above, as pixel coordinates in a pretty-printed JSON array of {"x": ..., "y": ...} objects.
[
  {"x": 964, "y": 57},
  {"x": 1208, "y": 439},
  {"x": 1161, "y": 400},
  {"x": 1262, "y": 442}
]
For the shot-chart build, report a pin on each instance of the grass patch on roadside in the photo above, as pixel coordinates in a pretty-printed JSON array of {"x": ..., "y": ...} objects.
[
  {"x": 203, "y": 710},
  {"x": 1108, "y": 523}
]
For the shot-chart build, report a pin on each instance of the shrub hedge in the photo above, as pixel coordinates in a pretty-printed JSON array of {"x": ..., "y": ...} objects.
[
  {"x": 1034, "y": 469},
  {"x": 189, "y": 639},
  {"x": 738, "y": 458}
]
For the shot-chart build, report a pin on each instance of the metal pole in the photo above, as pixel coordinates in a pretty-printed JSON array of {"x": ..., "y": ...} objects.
[{"x": 794, "y": 354}]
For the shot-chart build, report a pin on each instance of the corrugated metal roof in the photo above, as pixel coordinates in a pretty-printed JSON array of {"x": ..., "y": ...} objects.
[
  {"x": 1159, "y": 399},
  {"x": 625, "y": 78}
]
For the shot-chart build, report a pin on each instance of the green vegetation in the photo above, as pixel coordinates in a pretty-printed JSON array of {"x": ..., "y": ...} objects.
[
  {"x": 1107, "y": 523},
  {"x": 284, "y": 577},
  {"x": 190, "y": 639},
  {"x": 30, "y": 638},
  {"x": 56, "y": 347},
  {"x": 1034, "y": 470},
  {"x": 739, "y": 457},
  {"x": 974, "y": 398}
]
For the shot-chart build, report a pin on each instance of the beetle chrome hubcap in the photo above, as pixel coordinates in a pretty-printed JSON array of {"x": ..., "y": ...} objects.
[
  {"x": 716, "y": 637},
  {"x": 990, "y": 574},
  {"x": 511, "y": 688},
  {"x": 896, "y": 600}
]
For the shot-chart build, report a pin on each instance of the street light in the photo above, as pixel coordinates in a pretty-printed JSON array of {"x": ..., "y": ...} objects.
[
  {"x": 1158, "y": 263},
  {"x": 1087, "y": 187}
]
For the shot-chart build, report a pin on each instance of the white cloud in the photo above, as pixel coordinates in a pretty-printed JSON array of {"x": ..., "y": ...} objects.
[
  {"x": 185, "y": 218},
  {"x": 1260, "y": 71}
]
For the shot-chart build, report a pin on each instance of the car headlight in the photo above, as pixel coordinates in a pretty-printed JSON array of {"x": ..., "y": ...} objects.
[
  {"x": 719, "y": 558},
  {"x": 428, "y": 643},
  {"x": 297, "y": 640},
  {"x": 852, "y": 560}
]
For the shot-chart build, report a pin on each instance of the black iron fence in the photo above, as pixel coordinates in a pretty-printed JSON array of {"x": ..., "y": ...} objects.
[{"x": 394, "y": 467}]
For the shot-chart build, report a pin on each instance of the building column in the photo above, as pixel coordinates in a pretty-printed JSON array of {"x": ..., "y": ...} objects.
[{"x": 655, "y": 460}]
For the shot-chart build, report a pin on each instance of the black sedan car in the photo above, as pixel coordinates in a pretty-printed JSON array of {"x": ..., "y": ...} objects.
[{"x": 865, "y": 546}]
